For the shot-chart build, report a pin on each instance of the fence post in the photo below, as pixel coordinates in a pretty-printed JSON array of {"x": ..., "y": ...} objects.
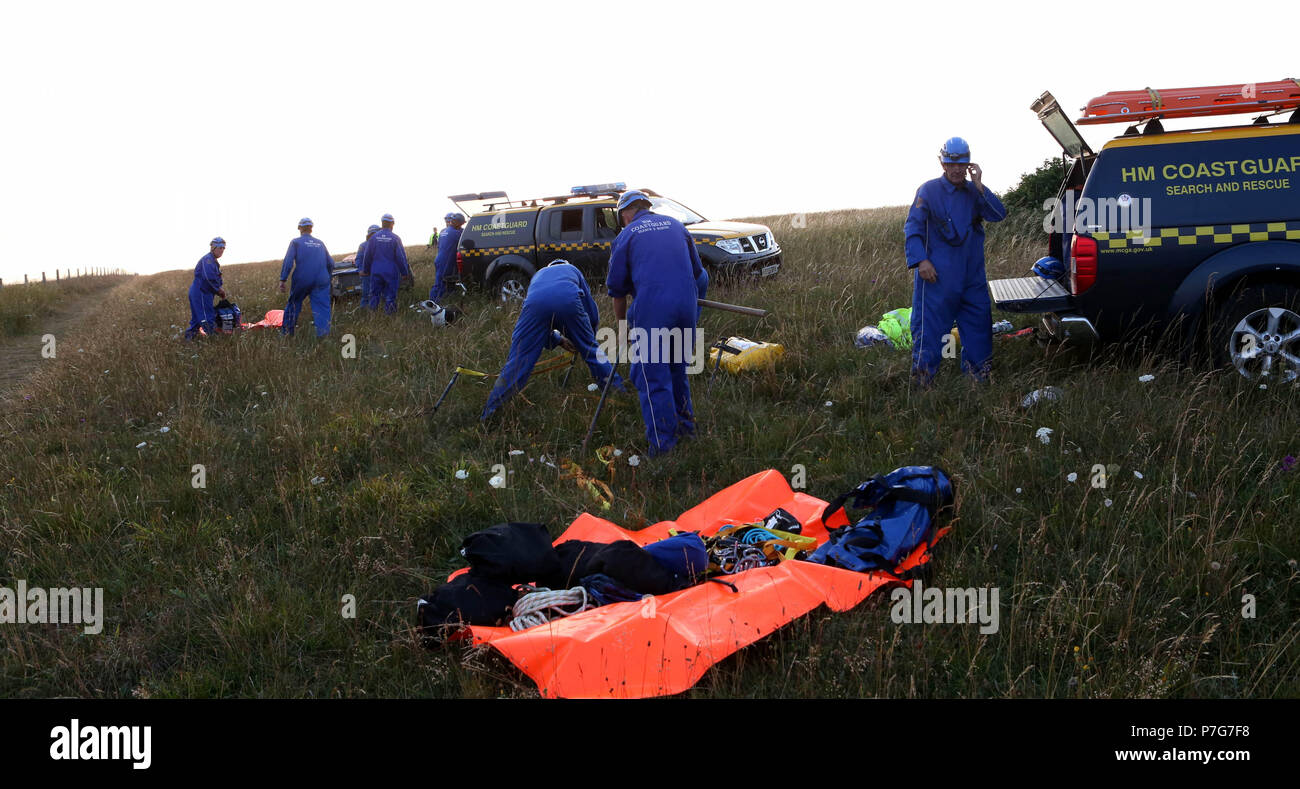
[
  {"x": 24, "y": 279},
  {"x": 42, "y": 276}
]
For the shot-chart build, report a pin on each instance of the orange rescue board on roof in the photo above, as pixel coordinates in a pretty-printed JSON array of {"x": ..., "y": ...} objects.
[
  {"x": 1136, "y": 105},
  {"x": 663, "y": 645}
]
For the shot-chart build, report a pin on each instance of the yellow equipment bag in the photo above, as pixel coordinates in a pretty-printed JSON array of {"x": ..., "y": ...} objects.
[{"x": 739, "y": 354}]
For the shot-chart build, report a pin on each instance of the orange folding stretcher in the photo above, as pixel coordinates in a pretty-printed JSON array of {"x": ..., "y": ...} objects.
[
  {"x": 663, "y": 645},
  {"x": 1136, "y": 105}
]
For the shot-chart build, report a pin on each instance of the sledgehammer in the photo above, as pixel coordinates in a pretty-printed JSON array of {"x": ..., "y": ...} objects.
[{"x": 720, "y": 305}]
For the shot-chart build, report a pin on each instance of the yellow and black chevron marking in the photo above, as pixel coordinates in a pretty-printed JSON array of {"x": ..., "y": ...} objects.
[
  {"x": 523, "y": 250},
  {"x": 1200, "y": 234},
  {"x": 574, "y": 246}
]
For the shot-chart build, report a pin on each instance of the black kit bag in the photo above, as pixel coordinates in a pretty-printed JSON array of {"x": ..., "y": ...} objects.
[
  {"x": 228, "y": 317},
  {"x": 622, "y": 560},
  {"x": 512, "y": 552},
  {"x": 467, "y": 599}
]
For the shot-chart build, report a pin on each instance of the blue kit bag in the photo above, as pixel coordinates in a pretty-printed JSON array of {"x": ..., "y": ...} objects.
[{"x": 902, "y": 506}]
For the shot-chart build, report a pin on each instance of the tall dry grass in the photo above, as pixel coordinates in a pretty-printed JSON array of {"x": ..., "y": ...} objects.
[{"x": 324, "y": 478}]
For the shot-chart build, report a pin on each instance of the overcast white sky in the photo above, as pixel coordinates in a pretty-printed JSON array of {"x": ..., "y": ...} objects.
[{"x": 134, "y": 131}]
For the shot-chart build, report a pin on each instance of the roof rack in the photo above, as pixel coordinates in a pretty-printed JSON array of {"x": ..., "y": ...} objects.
[
  {"x": 538, "y": 202},
  {"x": 541, "y": 202}
]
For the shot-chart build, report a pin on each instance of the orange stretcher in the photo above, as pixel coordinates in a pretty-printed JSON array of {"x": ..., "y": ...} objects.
[
  {"x": 1132, "y": 106},
  {"x": 273, "y": 320},
  {"x": 663, "y": 645}
]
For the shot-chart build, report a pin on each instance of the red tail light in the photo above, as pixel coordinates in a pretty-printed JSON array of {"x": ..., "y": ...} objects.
[
  {"x": 460, "y": 263},
  {"x": 1083, "y": 264}
]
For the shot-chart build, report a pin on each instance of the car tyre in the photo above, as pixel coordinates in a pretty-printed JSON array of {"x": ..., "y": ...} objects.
[
  {"x": 511, "y": 286},
  {"x": 1257, "y": 333}
]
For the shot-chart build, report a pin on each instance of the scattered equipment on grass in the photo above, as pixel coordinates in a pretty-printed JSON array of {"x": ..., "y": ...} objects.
[
  {"x": 894, "y": 331},
  {"x": 600, "y": 405},
  {"x": 228, "y": 317},
  {"x": 635, "y": 647},
  {"x": 720, "y": 305},
  {"x": 903, "y": 506},
  {"x": 452, "y": 382},
  {"x": 273, "y": 320},
  {"x": 551, "y": 364},
  {"x": 736, "y": 354},
  {"x": 737, "y": 346}
]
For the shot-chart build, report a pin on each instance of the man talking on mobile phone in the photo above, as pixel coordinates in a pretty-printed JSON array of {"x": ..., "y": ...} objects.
[{"x": 945, "y": 245}]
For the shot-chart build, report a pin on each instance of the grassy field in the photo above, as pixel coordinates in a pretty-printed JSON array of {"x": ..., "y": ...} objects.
[
  {"x": 323, "y": 478},
  {"x": 22, "y": 307}
]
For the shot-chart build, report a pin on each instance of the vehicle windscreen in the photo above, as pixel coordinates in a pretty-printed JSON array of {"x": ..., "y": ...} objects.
[{"x": 662, "y": 205}]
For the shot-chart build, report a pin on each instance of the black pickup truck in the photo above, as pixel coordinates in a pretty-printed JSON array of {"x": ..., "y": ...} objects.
[
  {"x": 506, "y": 241},
  {"x": 1193, "y": 231}
]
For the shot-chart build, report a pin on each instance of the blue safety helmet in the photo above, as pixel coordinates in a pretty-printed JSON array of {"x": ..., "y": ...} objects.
[
  {"x": 459, "y": 217},
  {"x": 1049, "y": 268},
  {"x": 558, "y": 261},
  {"x": 955, "y": 150},
  {"x": 373, "y": 229},
  {"x": 631, "y": 196},
  {"x": 387, "y": 218},
  {"x": 217, "y": 242},
  {"x": 304, "y": 222}
]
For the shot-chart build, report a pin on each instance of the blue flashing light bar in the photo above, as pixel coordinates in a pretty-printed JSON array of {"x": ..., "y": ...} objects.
[{"x": 599, "y": 189}]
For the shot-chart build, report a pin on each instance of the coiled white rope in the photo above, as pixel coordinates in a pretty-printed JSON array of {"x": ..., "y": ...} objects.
[{"x": 543, "y": 605}]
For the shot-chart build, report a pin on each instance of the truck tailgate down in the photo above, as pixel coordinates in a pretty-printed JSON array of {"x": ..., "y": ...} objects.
[{"x": 1029, "y": 294}]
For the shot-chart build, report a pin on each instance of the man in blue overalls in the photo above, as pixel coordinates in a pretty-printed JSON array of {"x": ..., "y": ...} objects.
[
  {"x": 945, "y": 245},
  {"x": 445, "y": 263},
  {"x": 362, "y": 274},
  {"x": 311, "y": 265},
  {"x": 653, "y": 260},
  {"x": 385, "y": 261},
  {"x": 558, "y": 310},
  {"x": 207, "y": 283}
]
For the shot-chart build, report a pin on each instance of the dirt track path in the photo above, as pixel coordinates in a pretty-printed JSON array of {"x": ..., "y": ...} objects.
[{"x": 20, "y": 355}]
